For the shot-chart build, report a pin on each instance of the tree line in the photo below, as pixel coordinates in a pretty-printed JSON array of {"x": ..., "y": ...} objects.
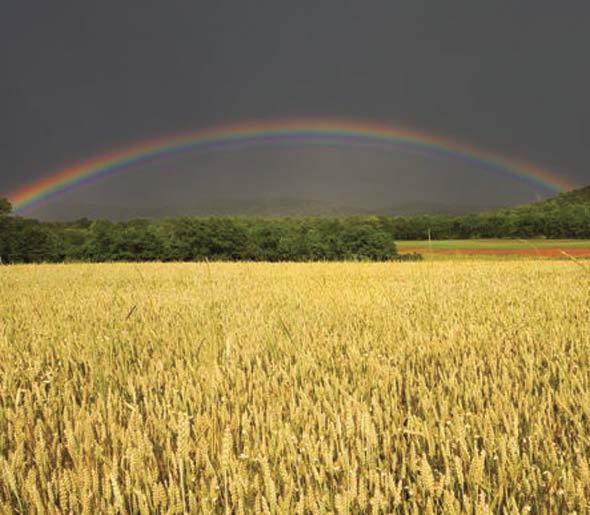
[
  {"x": 195, "y": 239},
  {"x": 277, "y": 239}
]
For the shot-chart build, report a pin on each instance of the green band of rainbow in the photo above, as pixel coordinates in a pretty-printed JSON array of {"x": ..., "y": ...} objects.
[{"x": 306, "y": 130}]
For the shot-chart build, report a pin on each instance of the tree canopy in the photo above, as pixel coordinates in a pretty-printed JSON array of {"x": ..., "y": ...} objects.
[{"x": 198, "y": 239}]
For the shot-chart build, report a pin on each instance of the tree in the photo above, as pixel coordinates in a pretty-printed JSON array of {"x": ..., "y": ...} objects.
[
  {"x": 5, "y": 207},
  {"x": 5, "y": 229}
]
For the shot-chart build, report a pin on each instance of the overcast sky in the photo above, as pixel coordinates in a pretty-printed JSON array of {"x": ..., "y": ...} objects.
[{"x": 79, "y": 78}]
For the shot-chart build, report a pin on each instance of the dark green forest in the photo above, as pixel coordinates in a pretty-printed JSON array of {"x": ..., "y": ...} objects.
[
  {"x": 25, "y": 240},
  {"x": 196, "y": 239}
]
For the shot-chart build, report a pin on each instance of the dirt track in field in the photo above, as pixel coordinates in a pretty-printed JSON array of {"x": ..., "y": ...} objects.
[{"x": 551, "y": 252}]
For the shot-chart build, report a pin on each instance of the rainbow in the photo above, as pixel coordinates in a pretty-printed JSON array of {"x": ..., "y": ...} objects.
[{"x": 340, "y": 132}]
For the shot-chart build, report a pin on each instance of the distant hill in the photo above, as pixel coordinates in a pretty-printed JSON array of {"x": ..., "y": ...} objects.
[
  {"x": 264, "y": 207},
  {"x": 432, "y": 208},
  {"x": 576, "y": 199}
]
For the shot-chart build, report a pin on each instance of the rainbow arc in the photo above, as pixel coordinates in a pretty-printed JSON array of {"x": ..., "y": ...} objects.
[{"x": 306, "y": 131}]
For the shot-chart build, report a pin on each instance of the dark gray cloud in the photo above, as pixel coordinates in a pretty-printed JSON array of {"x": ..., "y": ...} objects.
[{"x": 79, "y": 78}]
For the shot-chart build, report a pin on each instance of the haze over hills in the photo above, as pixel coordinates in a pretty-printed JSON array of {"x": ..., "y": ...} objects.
[
  {"x": 270, "y": 206},
  {"x": 291, "y": 206}
]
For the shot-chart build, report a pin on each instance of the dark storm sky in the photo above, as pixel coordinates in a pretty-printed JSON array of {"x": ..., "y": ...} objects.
[{"x": 79, "y": 78}]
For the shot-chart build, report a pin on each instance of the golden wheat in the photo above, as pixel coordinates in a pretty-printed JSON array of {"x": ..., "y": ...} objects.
[{"x": 295, "y": 388}]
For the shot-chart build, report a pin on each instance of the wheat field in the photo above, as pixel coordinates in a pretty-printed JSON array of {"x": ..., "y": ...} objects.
[{"x": 438, "y": 387}]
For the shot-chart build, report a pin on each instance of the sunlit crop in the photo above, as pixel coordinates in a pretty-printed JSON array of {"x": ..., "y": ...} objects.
[{"x": 295, "y": 388}]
